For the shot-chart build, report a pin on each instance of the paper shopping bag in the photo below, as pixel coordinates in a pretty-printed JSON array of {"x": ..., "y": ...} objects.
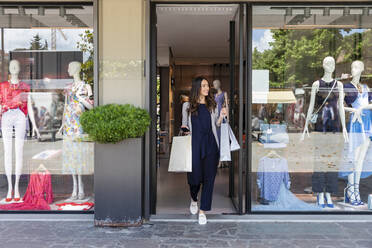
[
  {"x": 225, "y": 154},
  {"x": 234, "y": 145},
  {"x": 181, "y": 156}
]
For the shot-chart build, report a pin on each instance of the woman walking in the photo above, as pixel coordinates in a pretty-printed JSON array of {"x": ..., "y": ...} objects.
[{"x": 200, "y": 117}]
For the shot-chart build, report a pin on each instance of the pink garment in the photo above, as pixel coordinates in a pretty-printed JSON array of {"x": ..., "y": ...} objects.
[{"x": 38, "y": 196}]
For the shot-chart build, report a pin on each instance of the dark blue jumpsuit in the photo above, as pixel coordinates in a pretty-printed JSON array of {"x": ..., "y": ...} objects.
[{"x": 205, "y": 156}]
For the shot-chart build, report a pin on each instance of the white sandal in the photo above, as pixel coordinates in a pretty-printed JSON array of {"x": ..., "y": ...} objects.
[{"x": 202, "y": 219}]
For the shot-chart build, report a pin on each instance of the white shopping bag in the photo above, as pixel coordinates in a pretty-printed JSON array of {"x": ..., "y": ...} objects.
[
  {"x": 234, "y": 145},
  {"x": 228, "y": 142},
  {"x": 181, "y": 156},
  {"x": 225, "y": 154}
]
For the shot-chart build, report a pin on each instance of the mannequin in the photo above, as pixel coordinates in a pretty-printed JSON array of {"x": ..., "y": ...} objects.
[
  {"x": 15, "y": 103},
  {"x": 321, "y": 88},
  {"x": 222, "y": 101},
  {"x": 358, "y": 103},
  {"x": 220, "y": 97},
  {"x": 78, "y": 97}
]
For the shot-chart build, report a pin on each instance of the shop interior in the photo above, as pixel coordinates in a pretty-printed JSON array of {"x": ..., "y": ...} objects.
[{"x": 192, "y": 40}]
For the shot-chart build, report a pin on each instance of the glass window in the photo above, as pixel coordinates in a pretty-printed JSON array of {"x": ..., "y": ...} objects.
[
  {"x": 46, "y": 72},
  {"x": 312, "y": 117}
]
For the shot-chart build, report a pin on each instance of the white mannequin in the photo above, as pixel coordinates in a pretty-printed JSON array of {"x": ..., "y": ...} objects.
[
  {"x": 329, "y": 67},
  {"x": 14, "y": 69},
  {"x": 217, "y": 86},
  {"x": 357, "y": 67},
  {"x": 74, "y": 69}
]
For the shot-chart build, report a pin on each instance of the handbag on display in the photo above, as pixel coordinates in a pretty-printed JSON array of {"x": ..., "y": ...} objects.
[
  {"x": 228, "y": 142},
  {"x": 181, "y": 154},
  {"x": 314, "y": 117}
]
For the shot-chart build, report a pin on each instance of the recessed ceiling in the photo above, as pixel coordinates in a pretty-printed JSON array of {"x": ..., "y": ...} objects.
[{"x": 194, "y": 32}]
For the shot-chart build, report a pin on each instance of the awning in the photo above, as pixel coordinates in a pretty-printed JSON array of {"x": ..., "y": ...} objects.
[{"x": 275, "y": 96}]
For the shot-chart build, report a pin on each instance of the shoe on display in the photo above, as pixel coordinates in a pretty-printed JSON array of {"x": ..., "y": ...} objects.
[
  {"x": 202, "y": 219},
  {"x": 81, "y": 196},
  {"x": 193, "y": 207}
]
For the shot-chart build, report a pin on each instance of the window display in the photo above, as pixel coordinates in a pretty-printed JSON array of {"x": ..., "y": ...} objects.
[
  {"x": 46, "y": 66},
  {"x": 311, "y": 147}
]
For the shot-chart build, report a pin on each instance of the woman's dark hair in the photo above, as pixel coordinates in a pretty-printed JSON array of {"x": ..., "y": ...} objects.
[{"x": 210, "y": 103}]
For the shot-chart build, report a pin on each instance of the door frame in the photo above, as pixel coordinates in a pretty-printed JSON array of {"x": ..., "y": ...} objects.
[{"x": 151, "y": 146}]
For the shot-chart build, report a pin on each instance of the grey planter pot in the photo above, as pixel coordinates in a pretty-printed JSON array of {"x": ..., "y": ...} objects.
[{"x": 118, "y": 183}]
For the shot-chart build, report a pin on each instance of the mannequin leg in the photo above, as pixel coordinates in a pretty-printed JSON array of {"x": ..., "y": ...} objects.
[
  {"x": 328, "y": 198},
  {"x": 81, "y": 194},
  {"x": 320, "y": 198},
  {"x": 20, "y": 131},
  {"x": 74, "y": 187},
  {"x": 359, "y": 167},
  {"x": 7, "y": 132},
  {"x": 350, "y": 187},
  {"x": 331, "y": 187}
]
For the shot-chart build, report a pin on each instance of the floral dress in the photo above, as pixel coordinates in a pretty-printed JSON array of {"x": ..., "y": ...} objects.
[{"x": 76, "y": 153}]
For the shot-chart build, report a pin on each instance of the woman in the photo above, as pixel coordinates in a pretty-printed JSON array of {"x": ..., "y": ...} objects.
[{"x": 200, "y": 117}]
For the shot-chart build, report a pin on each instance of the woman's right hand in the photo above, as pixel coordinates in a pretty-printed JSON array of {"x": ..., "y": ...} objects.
[
  {"x": 185, "y": 133},
  {"x": 223, "y": 112}
]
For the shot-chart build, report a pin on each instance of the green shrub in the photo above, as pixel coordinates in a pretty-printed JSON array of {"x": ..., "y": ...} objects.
[{"x": 112, "y": 123}]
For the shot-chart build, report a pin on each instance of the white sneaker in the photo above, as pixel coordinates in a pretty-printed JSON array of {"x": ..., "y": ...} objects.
[
  {"x": 202, "y": 219},
  {"x": 193, "y": 207}
]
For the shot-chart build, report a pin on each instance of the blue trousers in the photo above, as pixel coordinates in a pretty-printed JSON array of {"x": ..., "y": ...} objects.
[{"x": 203, "y": 173}]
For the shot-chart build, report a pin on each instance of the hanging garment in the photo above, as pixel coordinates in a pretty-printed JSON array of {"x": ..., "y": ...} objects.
[
  {"x": 358, "y": 131},
  {"x": 272, "y": 172},
  {"x": 75, "y": 152},
  {"x": 324, "y": 90},
  {"x": 286, "y": 201},
  {"x": 38, "y": 196}
]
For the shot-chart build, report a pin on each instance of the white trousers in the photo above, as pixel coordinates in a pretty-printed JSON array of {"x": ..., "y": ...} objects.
[{"x": 13, "y": 118}]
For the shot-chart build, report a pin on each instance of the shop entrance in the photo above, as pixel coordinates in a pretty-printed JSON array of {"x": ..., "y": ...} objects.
[{"x": 189, "y": 40}]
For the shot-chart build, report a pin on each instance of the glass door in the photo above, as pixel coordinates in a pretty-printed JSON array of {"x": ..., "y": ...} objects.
[{"x": 237, "y": 106}]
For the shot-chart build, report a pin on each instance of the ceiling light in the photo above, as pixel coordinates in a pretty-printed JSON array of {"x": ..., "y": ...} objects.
[
  {"x": 62, "y": 11},
  {"x": 21, "y": 10},
  {"x": 41, "y": 11},
  {"x": 288, "y": 11},
  {"x": 366, "y": 11},
  {"x": 346, "y": 11},
  {"x": 327, "y": 11}
]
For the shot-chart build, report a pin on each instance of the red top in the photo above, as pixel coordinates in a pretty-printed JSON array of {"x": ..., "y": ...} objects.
[{"x": 13, "y": 96}]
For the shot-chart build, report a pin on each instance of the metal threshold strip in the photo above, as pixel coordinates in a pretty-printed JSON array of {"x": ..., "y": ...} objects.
[{"x": 266, "y": 218}]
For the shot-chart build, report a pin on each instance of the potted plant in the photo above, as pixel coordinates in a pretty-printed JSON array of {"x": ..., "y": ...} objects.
[{"x": 117, "y": 131}]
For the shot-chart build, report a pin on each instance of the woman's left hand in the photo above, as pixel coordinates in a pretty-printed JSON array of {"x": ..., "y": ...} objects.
[{"x": 223, "y": 112}]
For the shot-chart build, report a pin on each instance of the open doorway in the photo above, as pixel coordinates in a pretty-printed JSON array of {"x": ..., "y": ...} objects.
[{"x": 195, "y": 40}]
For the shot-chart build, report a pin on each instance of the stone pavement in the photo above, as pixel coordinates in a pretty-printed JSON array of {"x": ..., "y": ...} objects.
[{"x": 60, "y": 234}]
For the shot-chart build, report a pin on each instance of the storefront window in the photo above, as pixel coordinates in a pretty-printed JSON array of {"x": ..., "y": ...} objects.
[
  {"x": 312, "y": 72},
  {"x": 46, "y": 71}
]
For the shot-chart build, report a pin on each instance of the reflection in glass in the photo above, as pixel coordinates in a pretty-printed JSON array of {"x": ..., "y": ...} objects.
[
  {"x": 311, "y": 108},
  {"x": 37, "y": 91}
]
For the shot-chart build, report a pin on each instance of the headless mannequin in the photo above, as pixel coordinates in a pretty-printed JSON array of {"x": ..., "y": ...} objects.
[
  {"x": 14, "y": 69},
  {"x": 329, "y": 67},
  {"x": 357, "y": 67},
  {"x": 74, "y": 69},
  {"x": 217, "y": 86}
]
